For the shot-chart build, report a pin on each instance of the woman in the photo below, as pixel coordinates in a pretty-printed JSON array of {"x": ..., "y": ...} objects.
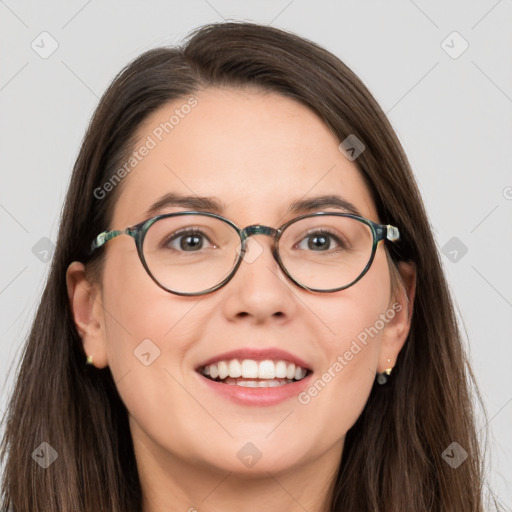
[{"x": 245, "y": 263}]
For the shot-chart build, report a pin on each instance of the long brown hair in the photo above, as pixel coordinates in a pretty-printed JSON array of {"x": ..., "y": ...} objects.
[{"x": 393, "y": 455}]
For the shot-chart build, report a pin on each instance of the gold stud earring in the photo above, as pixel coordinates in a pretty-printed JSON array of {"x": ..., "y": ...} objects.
[
  {"x": 382, "y": 378},
  {"x": 89, "y": 360}
]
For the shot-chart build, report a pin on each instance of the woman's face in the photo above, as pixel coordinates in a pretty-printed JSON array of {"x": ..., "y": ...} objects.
[{"x": 255, "y": 154}]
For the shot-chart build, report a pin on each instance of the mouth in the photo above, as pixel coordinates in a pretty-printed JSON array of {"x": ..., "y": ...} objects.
[{"x": 251, "y": 373}]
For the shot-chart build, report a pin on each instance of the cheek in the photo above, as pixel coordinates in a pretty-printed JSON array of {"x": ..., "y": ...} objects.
[
  {"x": 146, "y": 327},
  {"x": 149, "y": 333},
  {"x": 139, "y": 307},
  {"x": 355, "y": 314},
  {"x": 358, "y": 317}
]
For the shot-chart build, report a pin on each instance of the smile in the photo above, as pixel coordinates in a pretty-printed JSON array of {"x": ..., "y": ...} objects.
[{"x": 253, "y": 374}]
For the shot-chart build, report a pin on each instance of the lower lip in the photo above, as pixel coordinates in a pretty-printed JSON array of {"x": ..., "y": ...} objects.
[{"x": 258, "y": 396}]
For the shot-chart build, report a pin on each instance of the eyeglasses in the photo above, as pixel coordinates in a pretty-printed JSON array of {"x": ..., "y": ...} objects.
[{"x": 194, "y": 253}]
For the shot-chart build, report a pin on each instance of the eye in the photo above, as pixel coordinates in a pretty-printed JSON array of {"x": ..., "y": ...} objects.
[
  {"x": 321, "y": 241},
  {"x": 187, "y": 240}
]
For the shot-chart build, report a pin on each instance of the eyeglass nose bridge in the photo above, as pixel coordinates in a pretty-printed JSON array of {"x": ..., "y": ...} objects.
[{"x": 258, "y": 229}]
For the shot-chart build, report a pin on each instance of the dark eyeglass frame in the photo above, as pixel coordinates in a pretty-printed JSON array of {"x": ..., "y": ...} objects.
[{"x": 138, "y": 232}]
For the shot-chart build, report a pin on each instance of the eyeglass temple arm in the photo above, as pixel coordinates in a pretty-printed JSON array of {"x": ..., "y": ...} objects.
[
  {"x": 392, "y": 233},
  {"x": 387, "y": 231},
  {"x": 104, "y": 237}
]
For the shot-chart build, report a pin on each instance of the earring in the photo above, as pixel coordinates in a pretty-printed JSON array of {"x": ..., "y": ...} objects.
[
  {"x": 88, "y": 360},
  {"x": 382, "y": 378}
]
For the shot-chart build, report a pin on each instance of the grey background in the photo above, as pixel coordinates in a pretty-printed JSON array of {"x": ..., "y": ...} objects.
[{"x": 453, "y": 116}]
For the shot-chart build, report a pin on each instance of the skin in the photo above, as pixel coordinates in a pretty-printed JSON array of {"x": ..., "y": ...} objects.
[{"x": 257, "y": 153}]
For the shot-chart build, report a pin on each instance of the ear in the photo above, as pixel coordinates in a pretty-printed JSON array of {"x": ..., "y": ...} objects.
[
  {"x": 397, "y": 329},
  {"x": 87, "y": 309}
]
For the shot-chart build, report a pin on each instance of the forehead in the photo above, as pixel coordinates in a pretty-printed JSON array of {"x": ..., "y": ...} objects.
[{"x": 255, "y": 152}]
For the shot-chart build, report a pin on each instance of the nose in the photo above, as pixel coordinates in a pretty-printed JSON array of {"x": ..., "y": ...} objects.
[{"x": 259, "y": 290}]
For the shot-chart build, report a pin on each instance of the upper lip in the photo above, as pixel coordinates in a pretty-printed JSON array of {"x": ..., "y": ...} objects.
[{"x": 272, "y": 353}]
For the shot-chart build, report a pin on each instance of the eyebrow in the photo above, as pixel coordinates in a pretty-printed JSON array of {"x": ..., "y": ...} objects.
[
  {"x": 321, "y": 202},
  {"x": 213, "y": 205}
]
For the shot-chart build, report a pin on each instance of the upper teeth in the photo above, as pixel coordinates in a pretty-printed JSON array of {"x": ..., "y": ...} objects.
[{"x": 250, "y": 369}]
